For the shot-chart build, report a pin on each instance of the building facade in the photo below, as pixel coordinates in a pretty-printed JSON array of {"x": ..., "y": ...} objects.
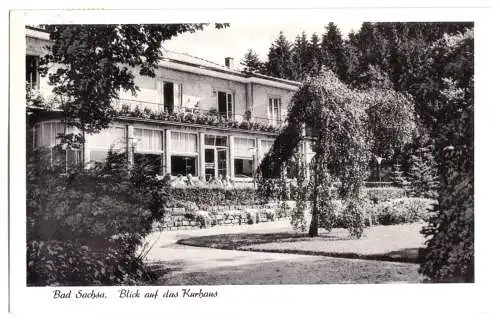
[{"x": 195, "y": 117}]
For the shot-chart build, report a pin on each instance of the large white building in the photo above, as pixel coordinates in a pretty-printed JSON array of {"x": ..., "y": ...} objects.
[{"x": 195, "y": 117}]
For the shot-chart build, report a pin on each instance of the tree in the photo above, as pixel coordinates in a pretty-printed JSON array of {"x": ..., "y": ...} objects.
[
  {"x": 332, "y": 47},
  {"x": 251, "y": 62},
  {"x": 423, "y": 172},
  {"x": 315, "y": 56},
  {"x": 94, "y": 62},
  {"x": 398, "y": 177},
  {"x": 445, "y": 100},
  {"x": 300, "y": 57},
  {"x": 347, "y": 137},
  {"x": 279, "y": 58}
]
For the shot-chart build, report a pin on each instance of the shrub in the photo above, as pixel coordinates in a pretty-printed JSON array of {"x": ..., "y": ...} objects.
[
  {"x": 353, "y": 216},
  {"x": 71, "y": 263},
  {"x": 402, "y": 211},
  {"x": 103, "y": 213},
  {"x": 383, "y": 194},
  {"x": 203, "y": 197}
]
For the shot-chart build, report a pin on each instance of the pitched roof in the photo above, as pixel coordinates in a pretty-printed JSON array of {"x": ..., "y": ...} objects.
[
  {"x": 193, "y": 60},
  {"x": 187, "y": 59}
]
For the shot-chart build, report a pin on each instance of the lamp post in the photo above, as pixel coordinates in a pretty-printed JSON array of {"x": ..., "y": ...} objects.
[{"x": 379, "y": 162}]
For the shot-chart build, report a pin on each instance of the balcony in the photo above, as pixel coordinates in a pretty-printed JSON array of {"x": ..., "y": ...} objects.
[{"x": 189, "y": 115}]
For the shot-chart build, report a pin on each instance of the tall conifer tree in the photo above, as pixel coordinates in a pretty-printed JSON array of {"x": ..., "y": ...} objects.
[
  {"x": 332, "y": 47},
  {"x": 251, "y": 62},
  {"x": 279, "y": 58},
  {"x": 300, "y": 57}
]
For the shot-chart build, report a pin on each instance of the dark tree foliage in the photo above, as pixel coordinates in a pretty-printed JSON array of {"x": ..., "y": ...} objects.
[
  {"x": 279, "y": 58},
  {"x": 315, "y": 56},
  {"x": 423, "y": 171},
  {"x": 300, "y": 57},
  {"x": 445, "y": 97},
  {"x": 251, "y": 62},
  {"x": 333, "y": 51},
  {"x": 89, "y": 64}
]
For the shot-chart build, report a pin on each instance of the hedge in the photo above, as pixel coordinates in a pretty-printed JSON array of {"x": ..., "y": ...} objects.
[
  {"x": 204, "y": 197},
  {"x": 209, "y": 197},
  {"x": 401, "y": 211}
]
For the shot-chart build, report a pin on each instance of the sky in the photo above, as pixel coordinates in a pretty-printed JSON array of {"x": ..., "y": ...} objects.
[{"x": 216, "y": 44}]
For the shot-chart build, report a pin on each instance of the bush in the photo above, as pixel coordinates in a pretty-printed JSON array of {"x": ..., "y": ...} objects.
[
  {"x": 203, "y": 197},
  {"x": 71, "y": 263},
  {"x": 353, "y": 216},
  {"x": 349, "y": 214},
  {"x": 401, "y": 211},
  {"x": 383, "y": 194},
  {"x": 103, "y": 214}
]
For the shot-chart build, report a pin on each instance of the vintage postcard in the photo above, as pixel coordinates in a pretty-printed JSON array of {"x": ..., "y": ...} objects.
[{"x": 184, "y": 162}]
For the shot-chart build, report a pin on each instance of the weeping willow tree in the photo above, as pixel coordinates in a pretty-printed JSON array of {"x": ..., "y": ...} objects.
[{"x": 351, "y": 126}]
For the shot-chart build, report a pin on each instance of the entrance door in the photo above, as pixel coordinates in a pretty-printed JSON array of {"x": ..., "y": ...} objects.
[
  {"x": 209, "y": 164},
  {"x": 222, "y": 162}
]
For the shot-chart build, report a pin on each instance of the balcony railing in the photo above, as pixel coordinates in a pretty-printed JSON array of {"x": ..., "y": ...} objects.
[{"x": 181, "y": 114}]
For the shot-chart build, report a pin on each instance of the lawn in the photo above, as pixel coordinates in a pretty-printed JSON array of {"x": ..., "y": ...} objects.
[
  {"x": 400, "y": 243},
  {"x": 307, "y": 270},
  {"x": 272, "y": 253}
]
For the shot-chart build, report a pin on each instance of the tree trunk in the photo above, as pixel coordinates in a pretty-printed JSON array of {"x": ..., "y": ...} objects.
[
  {"x": 313, "y": 228},
  {"x": 82, "y": 161}
]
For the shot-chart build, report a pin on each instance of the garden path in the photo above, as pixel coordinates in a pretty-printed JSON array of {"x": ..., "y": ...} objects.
[{"x": 188, "y": 265}]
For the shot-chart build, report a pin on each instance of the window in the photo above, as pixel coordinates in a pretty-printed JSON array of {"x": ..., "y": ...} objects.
[
  {"x": 148, "y": 149},
  {"x": 45, "y": 136},
  {"x": 45, "y": 133},
  {"x": 216, "y": 140},
  {"x": 243, "y": 168},
  {"x": 310, "y": 131},
  {"x": 216, "y": 156},
  {"x": 149, "y": 163},
  {"x": 274, "y": 110},
  {"x": 99, "y": 144},
  {"x": 265, "y": 146},
  {"x": 244, "y": 147},
  {"x": 309, "y": 151},
  {"x": 183, "y": 165},
  {"x": 244, "y": 152},
  {"x": 172, "y": 96},
  {"x": 184, "y": 149},
  {"x": 184, "y": 142},
  {"x": 225, "y": 104},
  {"x": 150, "y": 141},
  {"x": 32, "y": 75}
]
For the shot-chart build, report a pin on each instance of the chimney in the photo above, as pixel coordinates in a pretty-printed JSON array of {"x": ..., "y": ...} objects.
[{"x": 229, "y": 62}]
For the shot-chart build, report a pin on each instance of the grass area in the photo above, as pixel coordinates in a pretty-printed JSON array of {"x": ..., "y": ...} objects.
[
  {"x": 400, "y": 243},
  {"x": 318, "y": 270}
]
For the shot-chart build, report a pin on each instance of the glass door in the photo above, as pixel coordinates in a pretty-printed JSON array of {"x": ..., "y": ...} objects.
[
  {"x": 209, "y": 164},
  {"x": 222, "y": 162}
]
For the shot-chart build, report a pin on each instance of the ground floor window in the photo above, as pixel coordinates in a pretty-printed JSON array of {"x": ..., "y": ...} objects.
[
  {"x": 148, "y": 150},
  {"x": 243, "y": 168},
  {"x": 183, "y": 165},
  {"x": 62, "y": 160},
  {"x": 149, "y": 163}
]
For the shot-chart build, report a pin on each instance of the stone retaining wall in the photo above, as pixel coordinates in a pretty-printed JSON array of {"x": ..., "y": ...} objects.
[{"x": 184, "y": 219}]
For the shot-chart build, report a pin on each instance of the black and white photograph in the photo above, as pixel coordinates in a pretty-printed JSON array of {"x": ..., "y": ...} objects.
[
  {"x": 334, "y": 156},
  {"x": 190, "y": 157}
]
